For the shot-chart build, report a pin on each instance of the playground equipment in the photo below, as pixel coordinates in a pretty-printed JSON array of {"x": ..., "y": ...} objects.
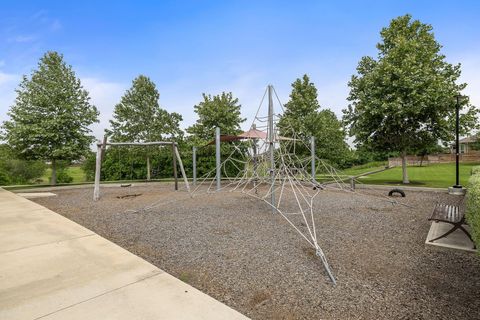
[
  {"x": 101, "y": 147},
  {"x": 277, "y": 170}
]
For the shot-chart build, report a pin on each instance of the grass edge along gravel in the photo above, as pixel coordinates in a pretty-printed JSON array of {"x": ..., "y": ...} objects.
[{"x": 473, "y": 205}]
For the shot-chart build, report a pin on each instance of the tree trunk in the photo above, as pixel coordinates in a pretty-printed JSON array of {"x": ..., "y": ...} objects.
[
  {"x": 404, "y": 167},
  {"x": 53, "y": 181},
  {"x": 148, "y": 168}
]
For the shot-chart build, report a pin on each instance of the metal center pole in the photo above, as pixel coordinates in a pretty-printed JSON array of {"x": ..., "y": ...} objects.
[
  {"x": 194, "y": 164},
  {"x": 271, "y": 138},
  {"x": 312, "y": 146},
  {"x": 217, "y": 156}
]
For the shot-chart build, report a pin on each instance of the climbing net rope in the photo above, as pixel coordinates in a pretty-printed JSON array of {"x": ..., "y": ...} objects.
[
  {"x": 278, "y": 171},
  {"x": 283, "y": 172}
]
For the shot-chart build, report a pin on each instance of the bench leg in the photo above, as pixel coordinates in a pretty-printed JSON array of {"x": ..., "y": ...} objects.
[
  {"x": 468, "y": 235},
  {"x": 455, "y": 227}
]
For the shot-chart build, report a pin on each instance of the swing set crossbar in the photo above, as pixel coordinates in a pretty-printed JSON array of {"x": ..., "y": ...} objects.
[{"x": 153, "y": 143}]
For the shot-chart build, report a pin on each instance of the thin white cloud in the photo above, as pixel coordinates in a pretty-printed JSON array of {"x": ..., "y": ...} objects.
[
  {"x": 8, "y": 83},
  {"x": 183, "y": 94},
  {"x": 22, "y": 38},
  {"x": 6, "y": 78},
  {"x": 104, "y": 95},
  {"x": 40, "y": 15},
  {"x": 55, "y": 25},
  {"x": 470, "y": 72}
]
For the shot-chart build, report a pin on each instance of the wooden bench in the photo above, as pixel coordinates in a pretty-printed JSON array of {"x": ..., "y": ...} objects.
[{"x": 452, "y": 214}]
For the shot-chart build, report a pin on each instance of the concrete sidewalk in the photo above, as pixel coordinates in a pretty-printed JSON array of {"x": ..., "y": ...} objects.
[{"x": 53, "y": 268}]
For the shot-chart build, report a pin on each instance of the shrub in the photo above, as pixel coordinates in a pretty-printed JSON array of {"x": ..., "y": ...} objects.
[
  {"x": 129, "y": 163},
  {"x": 62, "y": 172},
  {"x": 22, "y": 171},
  {"x": 473, "y": 207},
  {"x": 88, "y": 166},
  {"x": 4, "y": 179},
  {"x": 63, "y": 176},
  {"x": 475, "y": 170}
]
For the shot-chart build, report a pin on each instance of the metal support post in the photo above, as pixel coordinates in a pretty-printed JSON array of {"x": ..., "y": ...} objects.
[
  {"x": 194, "y": 164},
  {"x": 175, "y": 175},
  {"x": 217, "y": 157},
  {"x": 271, "y": 140},
  {"x": 312, "y": 147},
  {"x": 98, "y": 168}
]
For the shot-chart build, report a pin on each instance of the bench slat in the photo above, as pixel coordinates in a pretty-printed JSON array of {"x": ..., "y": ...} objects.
[{"x": 446, "y": 212}]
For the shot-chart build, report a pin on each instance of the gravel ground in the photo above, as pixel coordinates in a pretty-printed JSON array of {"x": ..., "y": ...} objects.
[{"x": 231, "y": 247}]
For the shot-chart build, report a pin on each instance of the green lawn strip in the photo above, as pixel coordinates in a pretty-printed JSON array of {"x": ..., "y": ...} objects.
[
  {"x": 75, "y": 172},
  {"x": 355, "y": 171},
  {"x": 434, "y": 175},
  {"x": 359, "y": 171},
  {"x": 46, "y": 185}
]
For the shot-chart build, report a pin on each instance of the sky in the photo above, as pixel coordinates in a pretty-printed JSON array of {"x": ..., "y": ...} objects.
[{"x": 192, "y": 47}]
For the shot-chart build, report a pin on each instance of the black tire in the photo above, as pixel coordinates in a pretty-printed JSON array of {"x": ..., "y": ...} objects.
[{"x": 399, "y": 191}]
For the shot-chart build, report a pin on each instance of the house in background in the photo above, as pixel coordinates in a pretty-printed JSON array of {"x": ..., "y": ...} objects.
[{"x": 466, "y": 144}]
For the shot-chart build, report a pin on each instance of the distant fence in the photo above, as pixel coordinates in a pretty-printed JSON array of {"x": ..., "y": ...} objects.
[{"x": 472, "y": 156}]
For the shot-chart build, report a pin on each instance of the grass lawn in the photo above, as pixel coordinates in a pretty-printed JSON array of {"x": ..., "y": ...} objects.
[
  {"x": 75, "y": 172},
  {"x": 434, "y": 175},
  {"x": 354, "y": 171},
  {"x": 368, "y": 167}
]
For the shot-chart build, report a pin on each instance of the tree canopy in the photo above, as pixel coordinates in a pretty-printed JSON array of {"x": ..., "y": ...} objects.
[
  {"x": 51, "y": 115},
  {"x": 405, "y": 98},
  {"x": 304, "y": 118},
  {"x": 139, "y": 117},
  {"x": 222, "y": 111}
]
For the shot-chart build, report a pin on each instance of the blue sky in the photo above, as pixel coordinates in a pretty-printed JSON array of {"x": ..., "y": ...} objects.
[{"x": 191, "y": 47}]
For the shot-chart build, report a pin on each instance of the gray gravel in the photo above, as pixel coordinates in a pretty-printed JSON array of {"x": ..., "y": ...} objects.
[{"x": 231, "y": 247}]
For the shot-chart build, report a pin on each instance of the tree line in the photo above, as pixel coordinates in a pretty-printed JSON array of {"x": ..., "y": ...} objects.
[{"x": 401, "y": 102}]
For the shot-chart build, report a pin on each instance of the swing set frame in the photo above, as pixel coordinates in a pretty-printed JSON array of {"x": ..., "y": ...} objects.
[{"x": 102, "y": 146}]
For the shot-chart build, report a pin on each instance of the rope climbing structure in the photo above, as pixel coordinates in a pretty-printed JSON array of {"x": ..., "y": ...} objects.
[{"x": 283, "y": 172}]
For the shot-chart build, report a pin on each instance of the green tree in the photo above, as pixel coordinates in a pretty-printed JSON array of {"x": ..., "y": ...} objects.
[
  {"x": 139, "y": 118},
  {"x": 221, "y": 111},
  {"x": 404, "y": 99},
  {"x": 303, "y": 118},
  {"x": 51, "y": 114}
]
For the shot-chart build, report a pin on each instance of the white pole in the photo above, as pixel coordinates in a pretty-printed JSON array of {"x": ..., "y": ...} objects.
[
  {"x": 312, "y": 146},
  {"x": 98, "y": 168},
  {"x": 217, "y": 156},
  {"x": 271, "y": 137},
  {"x": 194, "y": 164}
]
